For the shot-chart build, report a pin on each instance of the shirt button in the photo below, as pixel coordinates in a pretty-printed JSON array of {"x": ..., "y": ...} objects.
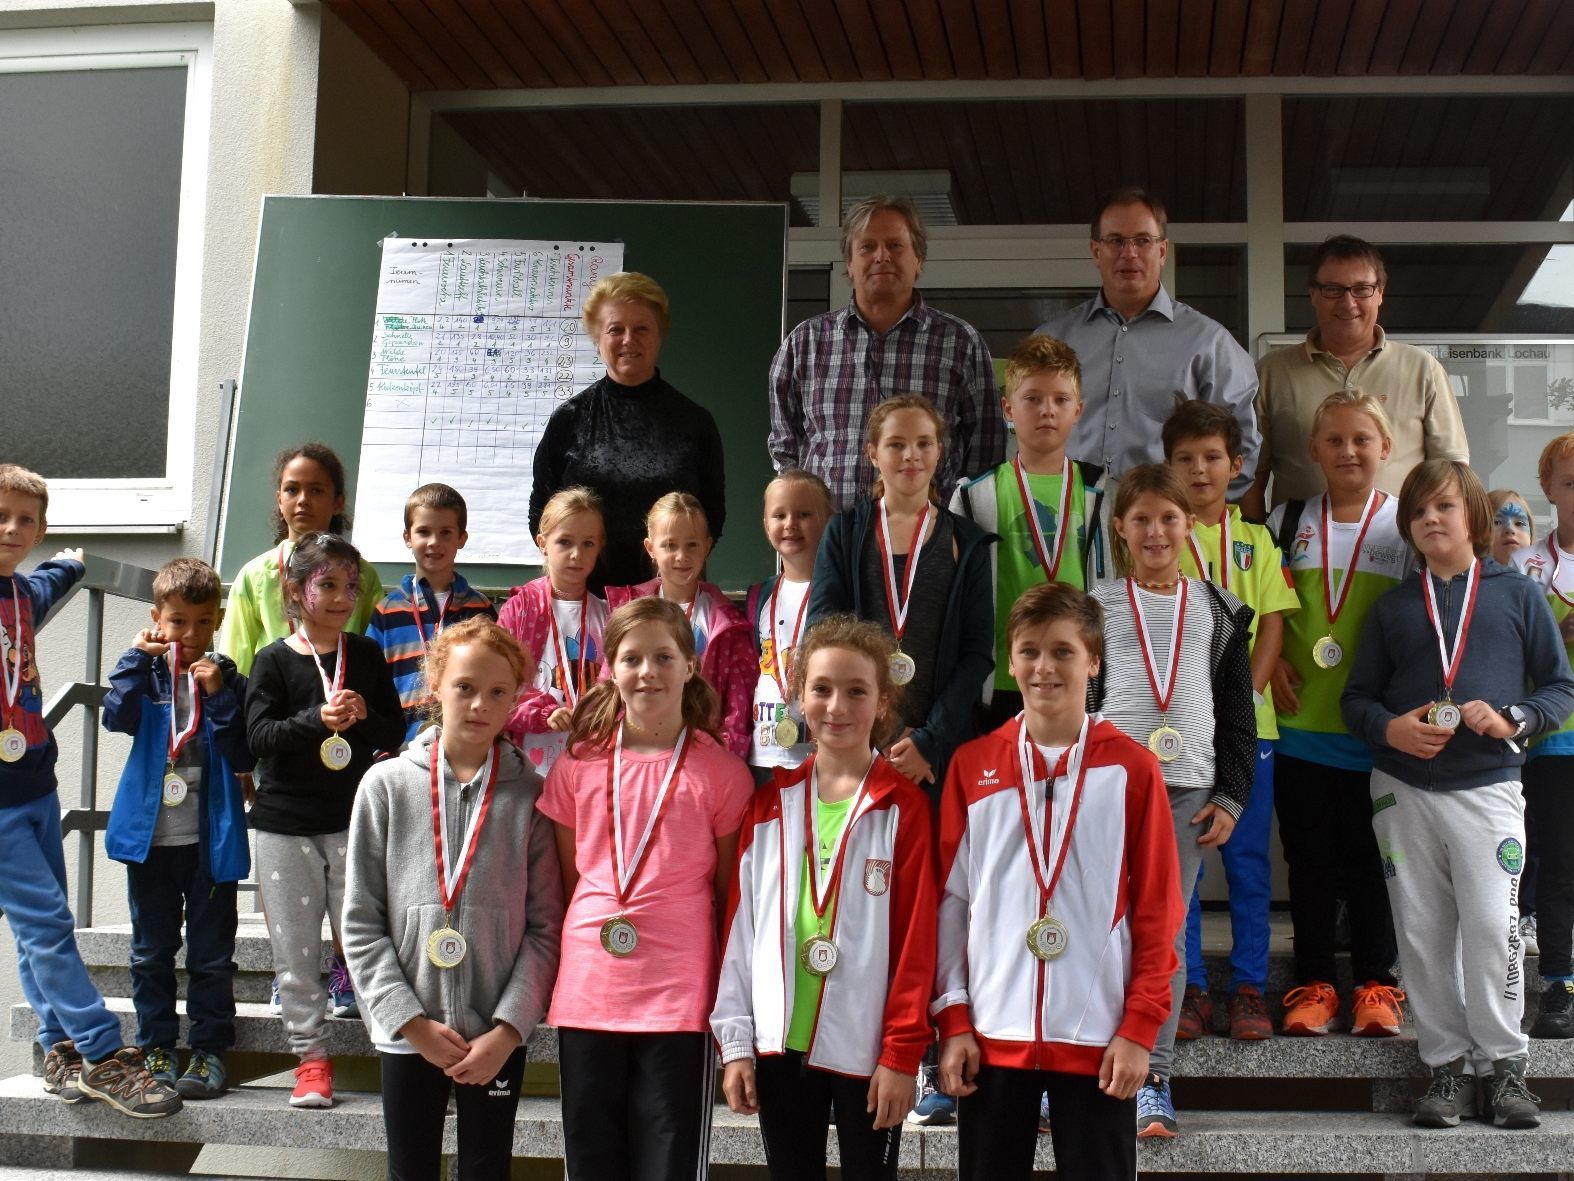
[
  {"x": 1119, "y": 359},
  {"x": 1123, "y": 327}
]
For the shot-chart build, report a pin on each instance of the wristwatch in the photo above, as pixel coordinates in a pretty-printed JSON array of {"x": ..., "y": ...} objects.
[{"x": 1515, "y": 717}]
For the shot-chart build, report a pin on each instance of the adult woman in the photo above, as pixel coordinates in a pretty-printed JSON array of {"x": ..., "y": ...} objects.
[{"x": 630, "y": 437}]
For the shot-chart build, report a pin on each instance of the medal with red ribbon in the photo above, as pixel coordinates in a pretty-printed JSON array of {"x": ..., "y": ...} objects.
[
  {"x": 1047, "y": 936},
  {"x": 1445, "y": 713},
  {"x": 818, "y": 954},
  {"x": 446, "y": 947},
  {"x": 1221, "y": 573},
  {"x": 1049, "y": 561},
  {"x": 1165, "y": 741},
  {"x": 903, "y": 666},
  {"x": 335, "y": 751},
  {"x": 175, "y": 786},
  {"x": 618, "y": 934},
  {"x": 573, "y": 677},
  {"x": 13, "y": 743},
  {"x": 787, "y": 731},
  {"x": 1328, "y": 652}
]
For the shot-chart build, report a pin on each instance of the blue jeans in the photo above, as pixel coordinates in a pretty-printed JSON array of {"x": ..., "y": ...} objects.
[
  {"x": 1246, "y": 868},
  {"x": 170, "y": 884},
  {"x": 33, "y": 898}
]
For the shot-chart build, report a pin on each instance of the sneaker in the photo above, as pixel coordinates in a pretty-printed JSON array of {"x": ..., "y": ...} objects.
[
  {"x": 162, "y": 1064},
  {"x": 1249, "y": 1015},
  {"x": 1155, "y": 1110},
  {"x": 1310, "y": 1010},
  {"x": 1527, "y": 935},
  {"x": 1449, "y": 1097},
  {"x": 204, "y": 1077},
  {"x": 342, "y": 990},
  {"x": 1508, "y": 1098},
  {"x": 276, "y": 1002},
  {"x": 313, "y": 1084},
  {"x": 1196, "y": 1015},
  {"x": 933, "y": 1106},
  {"x": 1375, "y": 1010},
  {"x": 1557, "y": 1011},
  {"x": 1043, "y": 1114},
  {"x": 122, "y": 1081},
  {"x": 62, "y": 1068}
]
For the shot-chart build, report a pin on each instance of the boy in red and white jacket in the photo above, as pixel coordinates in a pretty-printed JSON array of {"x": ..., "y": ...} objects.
[{"x": 1060, "y": 902}]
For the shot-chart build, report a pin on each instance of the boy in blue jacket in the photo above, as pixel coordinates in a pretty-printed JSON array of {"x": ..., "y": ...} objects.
[{"x": 179, "y": 824}]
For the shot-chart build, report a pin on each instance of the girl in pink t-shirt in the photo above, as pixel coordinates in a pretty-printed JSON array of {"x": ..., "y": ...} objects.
[{"x": 648, "y": 804}]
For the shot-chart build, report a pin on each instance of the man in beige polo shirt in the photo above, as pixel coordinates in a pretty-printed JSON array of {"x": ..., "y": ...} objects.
[{"x": 1347, "y": 350}]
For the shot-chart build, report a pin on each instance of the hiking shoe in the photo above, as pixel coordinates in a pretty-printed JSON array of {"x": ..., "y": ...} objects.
[
  {"x": 1043, "y": 1114},
  {"x": 1508, "y": 1098},
  {"x": 204, "y": 1077},
  {"x": 1155, "y": 1110},
  {"x": 1527, "y": 935},
  {"x": 1449, "y": 1097},
  {"x": 275, "y": 1001},
  {"x": 1248, "y": 1015},
  {"x": 1557, "y": 1011},
  {"x": 1375, "y": 1010},
  {"x": 1310, "y": 1010},
  {"x": 933, "y": 1107},
  {"x": 1196, "y": 1015},
  {"x": 342, "y": 990},
  {"x": 313, "y": 1084},
  {"x": 122, "y": 1081},
  {"x": 162, "y": 1064},
  {"x": 62, "y": 1068}
]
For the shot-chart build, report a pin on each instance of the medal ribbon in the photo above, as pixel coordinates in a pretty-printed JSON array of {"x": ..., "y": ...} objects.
[
  {"x": 570, "y": 691},
  {"x": 1552, "y": 579},
  {"x": 13, "y": 677},
  {"x": 898, "y": 607},
  {"x": 778, "y": 661},
  {"x": 338, "y": 667},
  {"x": 688, "y": 608},
  {"x": 178, "y": 737},
  {"x": 1461, "y": 629},
  {"x": 624, "y": 878},
  {"x": 1051, "y": 569},
  {"x": 448, "y": 894},
  {"x": 1221, "y": 574},
  {"x": 821, "y": 892},
  {"x": 420, "y": 605},
  {"x": 1331, "y": 603},
  {"x": 1040, "y": 852},
  {"x": 1161, "y": 692}
]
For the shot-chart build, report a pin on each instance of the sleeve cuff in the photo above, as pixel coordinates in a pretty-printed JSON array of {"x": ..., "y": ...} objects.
[
  {"x": 954, "y": 1020},
  {"x": 1229, "y": 804},
  {"x": 736, "y": 1052}
]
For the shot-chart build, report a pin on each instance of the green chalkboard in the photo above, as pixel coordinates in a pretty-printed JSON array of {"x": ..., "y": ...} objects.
[{"x": 308, "y": 340}]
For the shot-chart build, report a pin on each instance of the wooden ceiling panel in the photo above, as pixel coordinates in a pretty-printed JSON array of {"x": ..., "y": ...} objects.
[
  {"x": 1557, "y": 47},
  {"x": 411, "y": 44},
  {"x": 506, "y": 39},
  {"x": 444, "y": 38},
  {"x": 1063, "y": 39},
  {"x": 588, "y": 43},
  {"x": 1295, "y": 37},
  {"x": 1163, "y": 40},
  {"x": 1228, "y": 29},
  {"x": 764, "y": 38},
  {"x": 961, "y": 32},
  {"x": 1463, "y": 29},
  {"x": 629, "y": 33},
  {"x": 1528, "y": 34},
  {"x": 1097, "y": 39},
  {"x": 844, "y": 64},
  {"x": 995, "y": 31},
  {"x": 379, "y": 41},
  {"x": 799, "y": 41},
  {"x": 883, "y": 51},
  {"x": 1128, "y": 31},
  {"x": 1194, "y": 38},
  {"x": 696, "y": 36},
  {"x": 1329, "y": 30},
  {"x": 1262, "y": 35},
  {"x": 1393, "y": 35},
  {"x": 1028, "y": 34},
  {"x": 1426, "y": 35},
  {"x": 1486, "y": 51}
]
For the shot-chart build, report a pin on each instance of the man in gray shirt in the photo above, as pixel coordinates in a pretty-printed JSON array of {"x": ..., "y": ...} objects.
[{"x": 1139, "y": 347}]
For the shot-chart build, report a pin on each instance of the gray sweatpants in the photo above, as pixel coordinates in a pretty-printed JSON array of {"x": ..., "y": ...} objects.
[
  {"x": 1184, "y": 804},
  {"x": 1452, "y": 860},
  {"x": 301, "y": 878}
]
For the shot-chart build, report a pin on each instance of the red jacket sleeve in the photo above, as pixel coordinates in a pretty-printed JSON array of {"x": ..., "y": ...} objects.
[
  {"x": 907, "y": 1030},
  {"x": 1153, "y": 900}
]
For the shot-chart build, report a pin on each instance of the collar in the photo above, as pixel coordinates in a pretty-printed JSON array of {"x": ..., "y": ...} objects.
[
  {"x": 1161, "y": 304},
  {"x": 1314, "y": 344},
  {"x": 918, "y": 313},
  {"x": 457, "y": 591}
]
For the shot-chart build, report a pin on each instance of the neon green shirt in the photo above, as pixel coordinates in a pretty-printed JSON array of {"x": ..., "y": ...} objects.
[
  {"x": 806, "y": 991},
  {"x": 1017, "y": 563},
  {"x": 254, "y": 616}
]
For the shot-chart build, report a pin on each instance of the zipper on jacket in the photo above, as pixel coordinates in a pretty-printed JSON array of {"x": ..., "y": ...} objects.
[{"x": 456, "y": 979}]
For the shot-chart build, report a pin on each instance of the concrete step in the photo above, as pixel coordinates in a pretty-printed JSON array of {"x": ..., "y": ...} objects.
[{"x": 1224, "y": 1142}]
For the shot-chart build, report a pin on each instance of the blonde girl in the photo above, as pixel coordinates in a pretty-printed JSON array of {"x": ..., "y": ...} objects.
[{"x": 1513, "y": 524}]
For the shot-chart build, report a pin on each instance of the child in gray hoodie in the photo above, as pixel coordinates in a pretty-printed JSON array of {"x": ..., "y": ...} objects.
[{"x": 453, "y": 911}]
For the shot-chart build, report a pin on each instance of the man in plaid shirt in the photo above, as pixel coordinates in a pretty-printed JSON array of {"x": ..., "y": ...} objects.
[{"x": 833, "y": 369}]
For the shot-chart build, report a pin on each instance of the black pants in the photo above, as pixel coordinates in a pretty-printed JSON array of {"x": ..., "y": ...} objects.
[
  {"x": 797, "y": 1104},
  {"x": 171, "y": 886},
  {"x": 636, "y": 1106},
  {"x": 1325, "y": 823},
  {"x": 415, "y": 1100},
  {"x": 1549, "y": 828},
  {"x": 1095, "y": 1137}
]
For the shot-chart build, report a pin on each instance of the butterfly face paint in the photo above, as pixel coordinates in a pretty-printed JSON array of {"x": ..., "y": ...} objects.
[{"x": 330, "y": 594}]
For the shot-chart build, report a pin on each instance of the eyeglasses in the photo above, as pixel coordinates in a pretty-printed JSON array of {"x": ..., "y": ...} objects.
[
  {"x": 1338, "y": 290},
  {"x": 1142, "y": 242}
]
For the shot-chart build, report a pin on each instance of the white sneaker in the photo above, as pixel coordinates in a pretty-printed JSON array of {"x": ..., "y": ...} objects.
[{"x": 1527, "y": 935}]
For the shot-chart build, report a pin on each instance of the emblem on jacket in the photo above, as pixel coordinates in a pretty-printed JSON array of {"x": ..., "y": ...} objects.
[{"x": 877, "y": 876}]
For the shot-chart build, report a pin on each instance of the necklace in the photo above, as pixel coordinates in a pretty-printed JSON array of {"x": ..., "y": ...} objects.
[{"x": 1156, "y": 586}]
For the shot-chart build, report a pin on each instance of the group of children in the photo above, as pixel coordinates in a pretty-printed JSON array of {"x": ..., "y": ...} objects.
[{"x": 941, "y": 772}]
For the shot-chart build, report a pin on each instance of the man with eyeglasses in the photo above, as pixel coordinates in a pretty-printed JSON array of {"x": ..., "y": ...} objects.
[
  {"x": 1348, "y": 350},
  {"x": 1140, "y": 348}
]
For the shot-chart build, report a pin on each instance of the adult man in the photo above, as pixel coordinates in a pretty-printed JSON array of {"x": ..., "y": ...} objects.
[
  {"x": 836, "y": 367},
  {"x": 1139, "y": 348},
  {"x": 1347, "y": 350}
]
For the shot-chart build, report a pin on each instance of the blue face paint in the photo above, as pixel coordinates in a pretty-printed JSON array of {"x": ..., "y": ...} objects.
[{"x": 1511, "y": 516}]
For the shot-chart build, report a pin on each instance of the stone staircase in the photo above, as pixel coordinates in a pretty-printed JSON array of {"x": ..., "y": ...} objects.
[{"x": 1286, "y": 1107}]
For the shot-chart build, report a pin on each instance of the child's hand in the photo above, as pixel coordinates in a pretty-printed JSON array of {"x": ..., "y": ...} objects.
[
  {"x": 959, "y": 1061},
  {"x": 1415, "y": 736},
  {"x": 1123, "y": 1068},
  {"x": 1223, "y": 824},
  {"x": 560, "y": 720},
  {"x": 890, "y": 1097},
  {"x": 151, "y": 641},
  {"x": 337, "y": 717},
  {"x": 486, "y": 1057},
  {"x": 438, "y": 1044},
  {"x": 208, "y": 676},
  {"x": 737, "y": 1085},
  {"x": 1285, "y": 684},
  {"x": 1485, "y": 720},
  {"x": 905, "y": 757},
  {"x": 68, "y": 555},
  {"x": 352, "y": 701},
  {"x": 248, "y": 787}
]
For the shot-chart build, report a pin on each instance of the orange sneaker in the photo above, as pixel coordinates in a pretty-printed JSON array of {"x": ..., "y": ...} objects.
[
  {"x": 1310, "y": 1010},
  {"x": 313, "y": 1084},
  {"x": 1375, "y": 1010}
]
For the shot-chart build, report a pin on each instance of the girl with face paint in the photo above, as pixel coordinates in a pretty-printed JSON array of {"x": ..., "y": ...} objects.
[
  {"x": 1513, "y": 526},
  {"x": 320, "y": 705}
]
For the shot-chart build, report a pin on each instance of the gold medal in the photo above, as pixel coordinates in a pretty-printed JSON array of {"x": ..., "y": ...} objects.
[
  {"x": 335, "y": 752},
  {"x": 619, "y": 937},
  {"x": 903, "y": 667},
  {"x": 175, "y": 789},
  {"x": 786, "y": 732},
  {"x": 1445, "y": 714},
  {"x": 446, "y": 948},
  {"x": 818, "y": 955},
  {"x": 1166, "y": 743},
  {"x": 1327, "y": 653},
  {"x": 13, "y": 744},
  {"x": 1047, "y": 938}
]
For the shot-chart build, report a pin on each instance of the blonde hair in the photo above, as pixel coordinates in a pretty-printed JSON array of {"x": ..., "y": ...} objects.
[
  {"x": 19, "y": 480},
  {"x": 862, "y": 213},
  {"x": 569, "y": 502},
  {"x": 1043, "y": 354},
  {"x": 600, "y": 710},
  {"x": 476, "y": 630},
  {"x": 1367, "y": 404},
  {"x": 1429, "y": 478},
  {"x": 676, "y": 504},
  {"x": 626, "y": 287},
  {"x": 796, "y": 475},
  {"x": 1159, "y": 479},
  {"x": 866, "y": 638},
  {"x": 1498, "y": 497},
  {"x": 891, "y": 406},
  {"x": 1553, "y": 453}
]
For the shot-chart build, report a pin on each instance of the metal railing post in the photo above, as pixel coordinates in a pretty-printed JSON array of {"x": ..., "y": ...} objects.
[{"x": 86, "y": 857}]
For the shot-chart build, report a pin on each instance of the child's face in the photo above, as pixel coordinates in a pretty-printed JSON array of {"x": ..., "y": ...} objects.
[
  {"x": 679, "y": 544},
  {"x": 1510, "y": 530},
  {"x": 842, "y": 699},
  {"x": 1154, "y": 529},
  {"x": 1051, "y": 664},
  {"x": 435, "y": 539},
  {"x": 1205, "y": 467},
  {"x": 328, "y": 597},
  {"x": 1350, "y": 449},
  {"x": 1043, "y": 409},
  {"x": 180, "y": 621},
  {"x": 906, "y": 453},
  {"x": 794, "y": 518},
  {"x": 308, "y": 501},
  {"x": 21, "y": 528},
  {"x": 650, "y": 671},
  {"x": 1560, "y": 491},
  {"x": 1440, "y": 525},
  {"x": 475, "y": 694},
  {"x": 571, "y": 550}
]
